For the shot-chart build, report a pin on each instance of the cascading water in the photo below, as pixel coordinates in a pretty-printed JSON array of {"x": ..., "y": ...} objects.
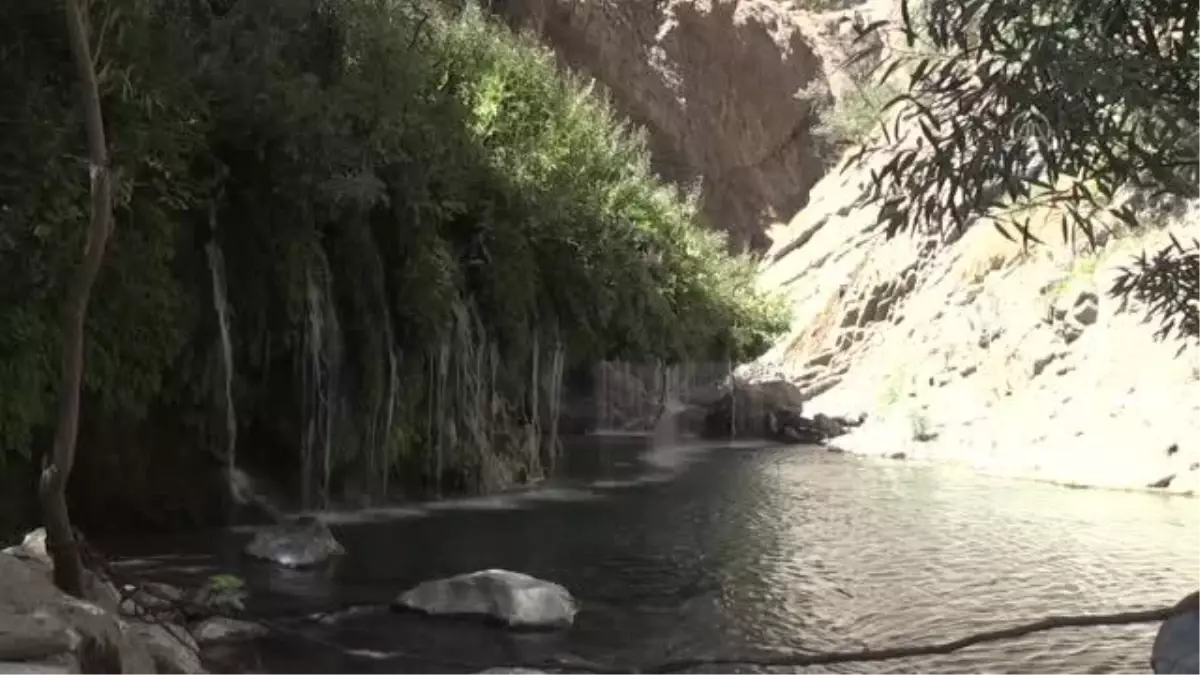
[
  {"x": 320, "y": 365},
  {"x": 216, "y": 268},
  {"x": 554, "y": 399}
]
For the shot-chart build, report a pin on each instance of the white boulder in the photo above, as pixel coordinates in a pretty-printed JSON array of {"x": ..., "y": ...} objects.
[{"x": 514, "y": 599}]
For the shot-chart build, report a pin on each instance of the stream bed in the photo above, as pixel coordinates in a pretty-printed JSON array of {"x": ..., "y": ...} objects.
[{"x": 704, "y": 551}]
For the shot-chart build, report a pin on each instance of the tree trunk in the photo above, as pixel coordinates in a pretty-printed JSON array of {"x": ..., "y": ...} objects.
[{"x": 60, "y": 538}]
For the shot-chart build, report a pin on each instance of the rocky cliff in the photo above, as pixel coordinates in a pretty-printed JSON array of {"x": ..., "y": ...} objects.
[
  {"x": 1010, "y": 361},
  {"x": 729, "y": 92}
]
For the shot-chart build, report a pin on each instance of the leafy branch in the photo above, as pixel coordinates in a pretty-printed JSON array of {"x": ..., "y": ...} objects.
[{"x": 1067, "y": 102}]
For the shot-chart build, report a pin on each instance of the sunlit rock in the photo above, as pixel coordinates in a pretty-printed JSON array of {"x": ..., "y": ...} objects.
[
  {"x": 514, "y": 599},
  {"x": 298, "y": 543}
]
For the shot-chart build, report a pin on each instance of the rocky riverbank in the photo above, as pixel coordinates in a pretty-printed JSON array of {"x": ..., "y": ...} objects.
[{"x": 980, "y": 353}]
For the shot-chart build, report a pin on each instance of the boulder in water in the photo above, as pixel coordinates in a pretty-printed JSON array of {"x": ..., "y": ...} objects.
[
  {"x": 773, "y": 410},
  {"x": 299, "y": 543},
  {"x": 745, "y": 409},
  {"x": 514, "y": 599},
  {"x": 1176, "y": 648}
]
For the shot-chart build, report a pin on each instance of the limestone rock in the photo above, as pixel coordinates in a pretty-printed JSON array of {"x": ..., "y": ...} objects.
[
  {"x": 511, "y": 598},
  {"x": 41, "y": 624},
  {"x": 298, "y": 543},
  {"x": 728, "y": 91}
]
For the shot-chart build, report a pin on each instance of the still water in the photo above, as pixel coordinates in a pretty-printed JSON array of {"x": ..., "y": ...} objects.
[{"x": 703, "y": 551}]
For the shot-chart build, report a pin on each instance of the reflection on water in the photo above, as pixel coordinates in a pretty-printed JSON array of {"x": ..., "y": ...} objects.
[{"x": 704, "y": 551}]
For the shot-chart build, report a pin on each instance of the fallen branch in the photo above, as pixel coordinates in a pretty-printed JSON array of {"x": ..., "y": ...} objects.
[
  {"x": 779, "y": 659},
  {"x": 936, "y": 649}
]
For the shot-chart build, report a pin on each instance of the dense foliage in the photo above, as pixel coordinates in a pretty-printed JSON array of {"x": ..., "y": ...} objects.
[
  {"x": 416, "y": 222},
  {"x": 1060, "y": 102}
]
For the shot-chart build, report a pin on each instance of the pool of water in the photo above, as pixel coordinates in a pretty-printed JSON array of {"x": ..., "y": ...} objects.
[{"x": 695, "y": 551}]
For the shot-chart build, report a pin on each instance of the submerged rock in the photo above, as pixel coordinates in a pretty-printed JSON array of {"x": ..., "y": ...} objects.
[
  {"x": 299, "y": 543},
  {"x": 514, "y": 599},
  {"x": 225, "y": 629}
]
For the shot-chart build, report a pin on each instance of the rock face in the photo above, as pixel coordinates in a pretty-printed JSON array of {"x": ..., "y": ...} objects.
[
  {"x": 297, "y": 543},
  {"x": 974, "y": 352},
  {"x": 770, "y": 409},
  {"x": 45, "y": 629},
  {"x": 514, "y": 599},
  {"x": 729, "y": 92}
]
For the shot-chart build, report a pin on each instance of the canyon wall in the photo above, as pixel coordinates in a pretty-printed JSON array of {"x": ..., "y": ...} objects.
[{"x": 729, "y": 92}]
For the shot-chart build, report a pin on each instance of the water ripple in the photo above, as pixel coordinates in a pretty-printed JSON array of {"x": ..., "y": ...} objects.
[{"x": 707, "y": 551}]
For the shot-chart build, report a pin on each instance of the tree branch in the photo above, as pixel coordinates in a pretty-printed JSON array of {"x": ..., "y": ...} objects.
[
  {"x": 60, "y": 542},
  {"x": 783, "y": 659}
]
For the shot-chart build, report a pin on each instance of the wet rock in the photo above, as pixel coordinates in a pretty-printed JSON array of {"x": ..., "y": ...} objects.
[
  {"x": 819, "y": 428},
  {"x": 511, "y": 598},
  {"x": 225, "y": 629},
  {"x": 154, "y": 600},
  {"x": 171, "y": 648},
  {"x": 34, "y": 636},
  {"x": 746, "y": 410},
  {"x": 41, "y": 624},
  {"x": 298, "y": 543},
  {"x": 1176, "y": 649}
]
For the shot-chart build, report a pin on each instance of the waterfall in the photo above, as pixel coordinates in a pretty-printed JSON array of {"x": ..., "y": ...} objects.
[
  {"x": 535, "y": 384},
  {"x": 443, "y": 415},
  {"x": 216, "y": 268},
  {"x": 557, "y": 362},
  {"x": 389, "y": 411},
  {"x": 321, "y": 364}
]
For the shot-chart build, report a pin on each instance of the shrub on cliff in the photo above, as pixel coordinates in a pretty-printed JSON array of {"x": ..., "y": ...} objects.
[{"x": 418, "y": 224}]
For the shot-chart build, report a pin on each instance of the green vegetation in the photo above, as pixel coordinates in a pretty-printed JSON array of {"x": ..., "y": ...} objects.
[
  {"x": 1069, "y": 101},
  {"x": 853, "y": 117},
  {"x": 417, "y": 224}
]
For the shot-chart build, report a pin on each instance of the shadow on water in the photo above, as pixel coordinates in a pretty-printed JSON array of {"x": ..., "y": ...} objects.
[{"x": 695, "y": 549}]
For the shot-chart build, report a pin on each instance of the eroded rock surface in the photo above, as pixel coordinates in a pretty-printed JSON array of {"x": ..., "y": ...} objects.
[
  {"x": 729, "y": 92},
  {"x": 53, "y": 632},
  {"x": 511, "y": 598},
  {"x": 976, "y": 352}
]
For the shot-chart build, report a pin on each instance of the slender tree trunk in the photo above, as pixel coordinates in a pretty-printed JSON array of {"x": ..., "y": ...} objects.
[{"x": 60, "y": 539}]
